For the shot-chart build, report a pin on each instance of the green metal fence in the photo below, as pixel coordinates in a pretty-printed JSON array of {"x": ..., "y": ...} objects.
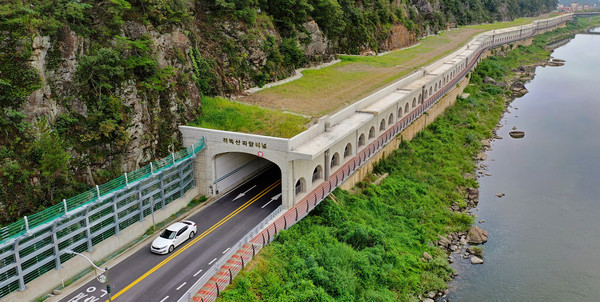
[{"x": 33, "y": 245}]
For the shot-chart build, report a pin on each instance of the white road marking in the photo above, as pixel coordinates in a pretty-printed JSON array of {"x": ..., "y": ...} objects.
[
  {"x": 225, "y": 251},
  {"x": 272, "y": 199},
  {"x": 180, "y": 286},
  {"x": 244, "y": 193},
  {"x": 165, "y": 298},
  {"x": 198, "y": 272},
  {"x": 212, "y": 261}
]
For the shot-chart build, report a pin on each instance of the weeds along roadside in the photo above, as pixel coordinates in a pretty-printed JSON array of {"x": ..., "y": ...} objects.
[{"x": 367, "y": 246}]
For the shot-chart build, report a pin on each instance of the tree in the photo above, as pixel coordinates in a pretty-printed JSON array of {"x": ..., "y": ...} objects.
[{"x": 54, "y": 163}]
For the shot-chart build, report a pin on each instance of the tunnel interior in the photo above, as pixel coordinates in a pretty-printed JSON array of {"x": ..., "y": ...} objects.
[{"x": 234, "y": 169}]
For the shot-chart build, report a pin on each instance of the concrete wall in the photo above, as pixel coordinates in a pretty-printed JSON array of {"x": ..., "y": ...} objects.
[
  {"x": 232, "y": 169},
  {"x": 407, "y": 134},
  {"x": 74, "y": 266}
]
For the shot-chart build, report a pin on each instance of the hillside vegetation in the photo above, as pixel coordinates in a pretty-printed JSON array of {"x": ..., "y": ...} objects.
[{"x": 92, "y": 89}]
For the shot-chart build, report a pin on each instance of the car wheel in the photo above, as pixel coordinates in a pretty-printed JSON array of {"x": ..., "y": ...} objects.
[
  {"x": 171, "y": 248},
  {"x": 192, "y": 235}
]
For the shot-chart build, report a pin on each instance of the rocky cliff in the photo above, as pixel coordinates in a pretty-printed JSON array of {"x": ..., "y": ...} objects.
[{"x": 89, "y": 90}]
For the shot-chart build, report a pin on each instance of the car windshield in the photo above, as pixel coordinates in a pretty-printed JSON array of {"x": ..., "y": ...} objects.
[{"x": 168, "y": 234}]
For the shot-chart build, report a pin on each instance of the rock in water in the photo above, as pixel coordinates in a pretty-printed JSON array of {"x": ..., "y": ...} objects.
[
  {"x": 516, "y": 134},
  {"x": 445, "y": 242},
  {"x": 477, "y": 235},
  {"x": 473, "y": 195},
  {"x": 476, "y": 260}
]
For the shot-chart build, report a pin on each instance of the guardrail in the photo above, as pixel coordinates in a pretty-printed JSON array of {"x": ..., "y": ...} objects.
[
  {"x": 33, "y": 246},
  {"x": 215, "y": 268}
]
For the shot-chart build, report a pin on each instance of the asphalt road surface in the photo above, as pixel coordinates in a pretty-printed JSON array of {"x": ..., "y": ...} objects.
[{"x": 145, "y": 276}]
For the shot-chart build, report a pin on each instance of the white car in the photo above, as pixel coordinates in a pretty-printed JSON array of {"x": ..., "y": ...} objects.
[{"x": 173, "y": 236}]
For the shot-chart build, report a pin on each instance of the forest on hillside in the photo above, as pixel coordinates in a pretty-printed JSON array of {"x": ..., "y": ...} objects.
[{"x": 92, "y": 89}]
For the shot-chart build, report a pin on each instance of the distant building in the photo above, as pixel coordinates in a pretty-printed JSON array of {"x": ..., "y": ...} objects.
[
  {"x": 563, "y": 8},
  {"x": 574, "y": 6}
]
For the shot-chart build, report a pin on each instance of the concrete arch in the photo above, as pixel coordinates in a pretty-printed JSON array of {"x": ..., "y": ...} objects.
[
  {"x": 361, "y": 140},
  {"x": 400, "y": 112},
  {"x": 391, "y": 119},
  {"x": 348, "y": 150},
  {"x": 300, "y": 186},
  {"x": 406, "y": 109},
  {"x": 335, "y": 160},
  {"x": 317, "y": 174},
  {"x": 372, "y": 132},
  {"x": 414, "y": 103},
  {"x": 382, "y": 125}
]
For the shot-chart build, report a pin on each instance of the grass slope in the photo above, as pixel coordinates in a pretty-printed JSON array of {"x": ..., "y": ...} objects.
[
  {"x": 329, "y": 89},
  {"x": 222, "y": 114}
]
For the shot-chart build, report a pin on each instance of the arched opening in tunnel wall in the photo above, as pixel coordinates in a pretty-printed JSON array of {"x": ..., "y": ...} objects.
[{"x": 231, "y": 169}]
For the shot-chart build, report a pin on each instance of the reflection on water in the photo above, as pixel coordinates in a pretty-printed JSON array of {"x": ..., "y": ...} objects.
[{"x": 544, "y": 234}]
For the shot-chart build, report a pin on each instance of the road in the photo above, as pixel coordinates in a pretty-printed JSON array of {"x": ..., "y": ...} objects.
[{"x": 145, "y": 276}]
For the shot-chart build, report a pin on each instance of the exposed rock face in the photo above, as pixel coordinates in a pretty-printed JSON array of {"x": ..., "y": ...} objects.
[
  {"x": 319, "y": 46},
  {"x": 477, "y": 235},
  {"x": 58, "y": 85},
  {"x": 38, "y": 103},
  {"x": 399, "y": 37}
]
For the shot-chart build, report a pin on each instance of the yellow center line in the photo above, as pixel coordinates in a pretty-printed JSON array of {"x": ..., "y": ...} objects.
[{"x": 204, "y": 234}]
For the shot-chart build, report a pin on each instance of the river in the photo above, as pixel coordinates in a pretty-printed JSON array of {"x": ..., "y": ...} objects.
[{"x": 544, "y": 234}]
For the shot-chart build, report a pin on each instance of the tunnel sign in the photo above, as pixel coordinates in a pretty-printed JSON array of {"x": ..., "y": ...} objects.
[{"x": 260, "y": 154}]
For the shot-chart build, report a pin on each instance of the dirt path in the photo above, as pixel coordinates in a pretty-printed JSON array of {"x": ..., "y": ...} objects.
[{"x": 325, "y": 91}]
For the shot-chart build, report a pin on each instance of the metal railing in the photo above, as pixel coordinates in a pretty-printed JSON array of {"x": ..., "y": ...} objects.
[
  {"x": 34, "y": 245},
  {"x": 219, "y": 263}
]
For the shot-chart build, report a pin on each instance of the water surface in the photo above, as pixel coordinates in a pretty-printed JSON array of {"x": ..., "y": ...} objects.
[{"x": 544, "y": 235}]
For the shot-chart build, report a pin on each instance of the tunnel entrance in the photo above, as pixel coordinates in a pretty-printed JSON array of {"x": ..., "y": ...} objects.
[{"x": 233, "y": 169}]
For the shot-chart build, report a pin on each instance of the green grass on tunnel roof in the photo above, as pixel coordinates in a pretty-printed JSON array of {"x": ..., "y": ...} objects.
[{"x": 223, "y": 114}]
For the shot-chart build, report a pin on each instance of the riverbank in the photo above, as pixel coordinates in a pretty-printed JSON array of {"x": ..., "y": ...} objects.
[
  {"x": 545, "y": 196},
  {"x": 379, "y": 243}
]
